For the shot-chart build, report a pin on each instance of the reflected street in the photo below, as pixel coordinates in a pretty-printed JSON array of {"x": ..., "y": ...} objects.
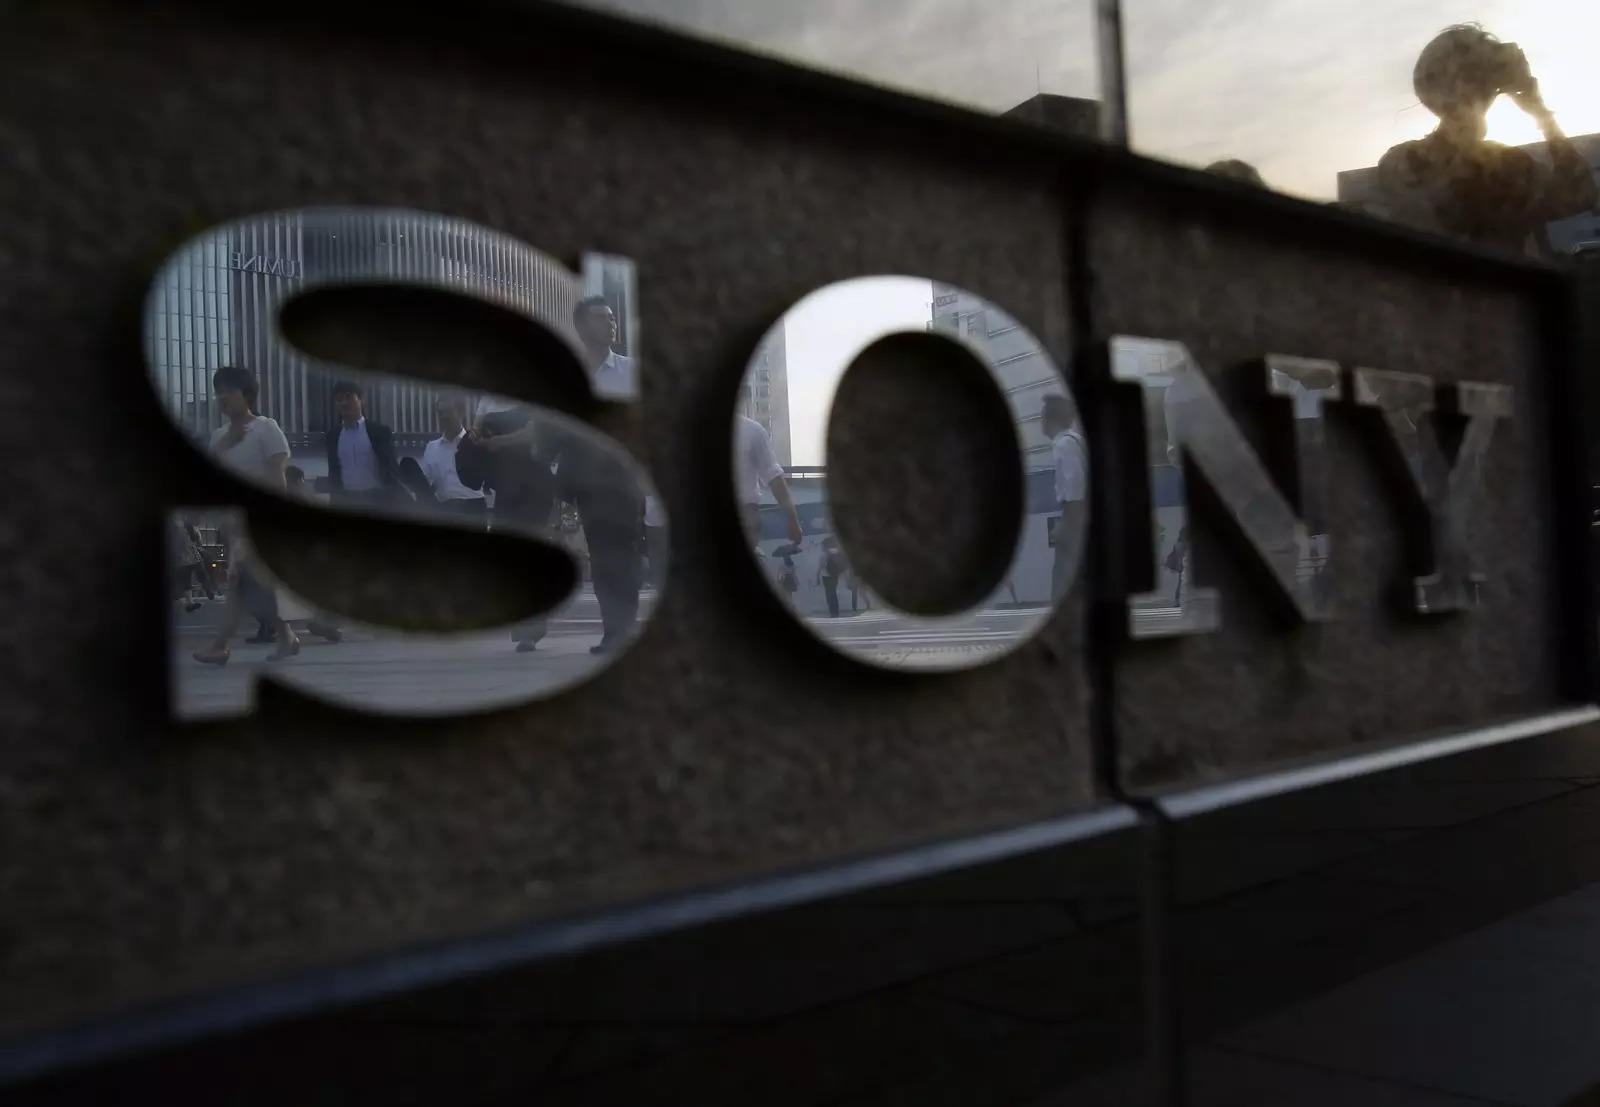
[
  {"x": 893, "y": 640},
  {"x": 378, "y": 665}
]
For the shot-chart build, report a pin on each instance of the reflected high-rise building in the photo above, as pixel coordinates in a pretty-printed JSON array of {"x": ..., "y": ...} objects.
[
  {"x": 769, "y": 392},
  {"x": 1026, "y": 375},
  {"x": 219, "y": 306},
  {"x": 1358, "y": 188},
  {"x": 1071, "y": 115}
]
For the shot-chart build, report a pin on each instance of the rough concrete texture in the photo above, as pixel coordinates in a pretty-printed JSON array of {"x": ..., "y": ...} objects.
[
  {"x": 141, "y": 859},
  {"x": 1264, "y": 687}
]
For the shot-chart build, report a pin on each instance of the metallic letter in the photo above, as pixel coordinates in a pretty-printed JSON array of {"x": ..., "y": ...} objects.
[
  {"x": 1184, "y": 417},
  {"x": 807, "y": 574},
  {"x": 205, "y": 311},
  {"x": 1448, "y": 492}
]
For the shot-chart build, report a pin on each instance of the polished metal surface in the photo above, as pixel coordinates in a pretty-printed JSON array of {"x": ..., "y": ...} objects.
[
  {"x": 1449, "y": 491},
  {"x": 1185, "y": 419},
  {"x": 344, "y": 439},
  {"x": 787, "y": 515}
]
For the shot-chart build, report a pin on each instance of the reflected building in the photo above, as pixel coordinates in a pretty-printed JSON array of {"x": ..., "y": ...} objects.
[
  {"x": 1358, "y": 188},
  {"x": 220, "y": 300},
  {"x": 1027, "y": 377},
  {"x": 1071, "y": 115},
  {"x": 769, "y": 392}
]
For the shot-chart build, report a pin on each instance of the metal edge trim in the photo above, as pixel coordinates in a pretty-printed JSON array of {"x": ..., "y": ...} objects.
[{"x": 1216, "y": 797}]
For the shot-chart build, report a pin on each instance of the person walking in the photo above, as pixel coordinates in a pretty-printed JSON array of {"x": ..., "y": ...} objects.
[
  {"x": 254, "y": 447},
  {"x": 362, "y": 469},
  {"x": 859, "y": 593},
  {"x": 518, "y": 463},
  {"x": 830, "y": 567},
  {"x": 609, "y": 502},
  {"x": 455, "y": 465},
  {"x": 755, "y": 467},
  {"x": 1070, "y": 457},
  {"x": 189, "y": 564}
]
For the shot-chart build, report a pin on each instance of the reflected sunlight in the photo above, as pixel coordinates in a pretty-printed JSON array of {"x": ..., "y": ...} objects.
[
  {"x": 1558, "y": 39},
  {"x": 1511, "y": 125}
]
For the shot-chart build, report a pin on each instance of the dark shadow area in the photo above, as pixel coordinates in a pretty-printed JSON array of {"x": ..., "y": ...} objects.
[
  {"x": 1283, "y": 899},
  {"x": 923, "y": 474},
  {"x": 452, "y": 339},
  {"x": 986, "y": 986}
]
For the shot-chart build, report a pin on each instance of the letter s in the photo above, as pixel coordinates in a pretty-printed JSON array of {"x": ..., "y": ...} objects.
[{"x": 205, "y": 312}]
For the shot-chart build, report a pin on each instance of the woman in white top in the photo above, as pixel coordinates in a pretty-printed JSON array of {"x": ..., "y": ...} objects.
[{"x": 254, "y": 447}]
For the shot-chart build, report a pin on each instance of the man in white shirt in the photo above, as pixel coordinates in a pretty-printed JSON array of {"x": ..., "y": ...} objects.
[
  {"x": 255, "y": 447},
  {"x": 755, "y": 467},
  {"x": 1070, "y": 456},
  {"x": 453, "y": 464},
  {"x": 613, "y": 375},
  {"x": 361, "y": 460}
]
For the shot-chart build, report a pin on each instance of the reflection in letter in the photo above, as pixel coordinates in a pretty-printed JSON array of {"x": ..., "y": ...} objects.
[
  {"x": 784, "y": 406},
  {"x": 1448, "y": 493},
  {"x": 386, "y": 445},
  {"x": 1183, "y": 417}
]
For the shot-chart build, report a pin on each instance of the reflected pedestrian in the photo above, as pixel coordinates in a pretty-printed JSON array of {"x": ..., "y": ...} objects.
[
  {"x": 518, "y": 463},
  {"x": 655, "y": 542},
  {"x": 189, "y": 564},
  {"x": 255, "y": 447},
  {"x": 362, "y": 469},
  {"x": 1069, "y": 454},
  {"x": 755, "y": 467},
  {"x": 858, "y": 591},
  {"x": 300, "y": 488},
  {"x": 455, "y": 465},
  {"x": 1455, "y": 181},
  {"x": 830, "y": 567},
  {"x": 602, "y": 488}
]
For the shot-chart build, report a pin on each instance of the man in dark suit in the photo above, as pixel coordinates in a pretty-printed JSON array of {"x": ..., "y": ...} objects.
[
  {"x": 361, "y": 461},
  {"x": 516, "y": 465}
]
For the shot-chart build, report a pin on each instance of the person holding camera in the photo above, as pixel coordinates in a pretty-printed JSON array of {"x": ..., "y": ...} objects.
[{"x": 1456, "y": 182}]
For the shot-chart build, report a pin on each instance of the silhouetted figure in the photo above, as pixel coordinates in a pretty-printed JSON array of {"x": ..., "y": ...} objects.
[
  {"x": 1456, "y": 182},
  {"x": 1237, "y": 170}
]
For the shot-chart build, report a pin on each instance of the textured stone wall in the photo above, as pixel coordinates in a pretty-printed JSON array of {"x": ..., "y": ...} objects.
[
  {"x": 143, "y": 860},
  {"x": 1267, "y": 687}
]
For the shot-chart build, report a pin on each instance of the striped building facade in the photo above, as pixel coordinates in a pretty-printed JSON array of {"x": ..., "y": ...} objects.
[{"x": 217, "y": 302}]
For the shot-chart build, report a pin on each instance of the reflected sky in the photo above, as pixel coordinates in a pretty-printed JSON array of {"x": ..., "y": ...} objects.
[
  {"x": 1299, "y": 88},
  {"x": 828, "y": 326},
  {"x": 992, "y": 53}
]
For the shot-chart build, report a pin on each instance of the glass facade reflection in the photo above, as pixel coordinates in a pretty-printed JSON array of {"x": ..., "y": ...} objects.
[
  {"x": 366, "y": 442},
  {"x": 219, "y": 302},
  {"x": 787, "y": 512},
  {"x": 993, "y": 56},
  {"x": 1476, "y": 123}
]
